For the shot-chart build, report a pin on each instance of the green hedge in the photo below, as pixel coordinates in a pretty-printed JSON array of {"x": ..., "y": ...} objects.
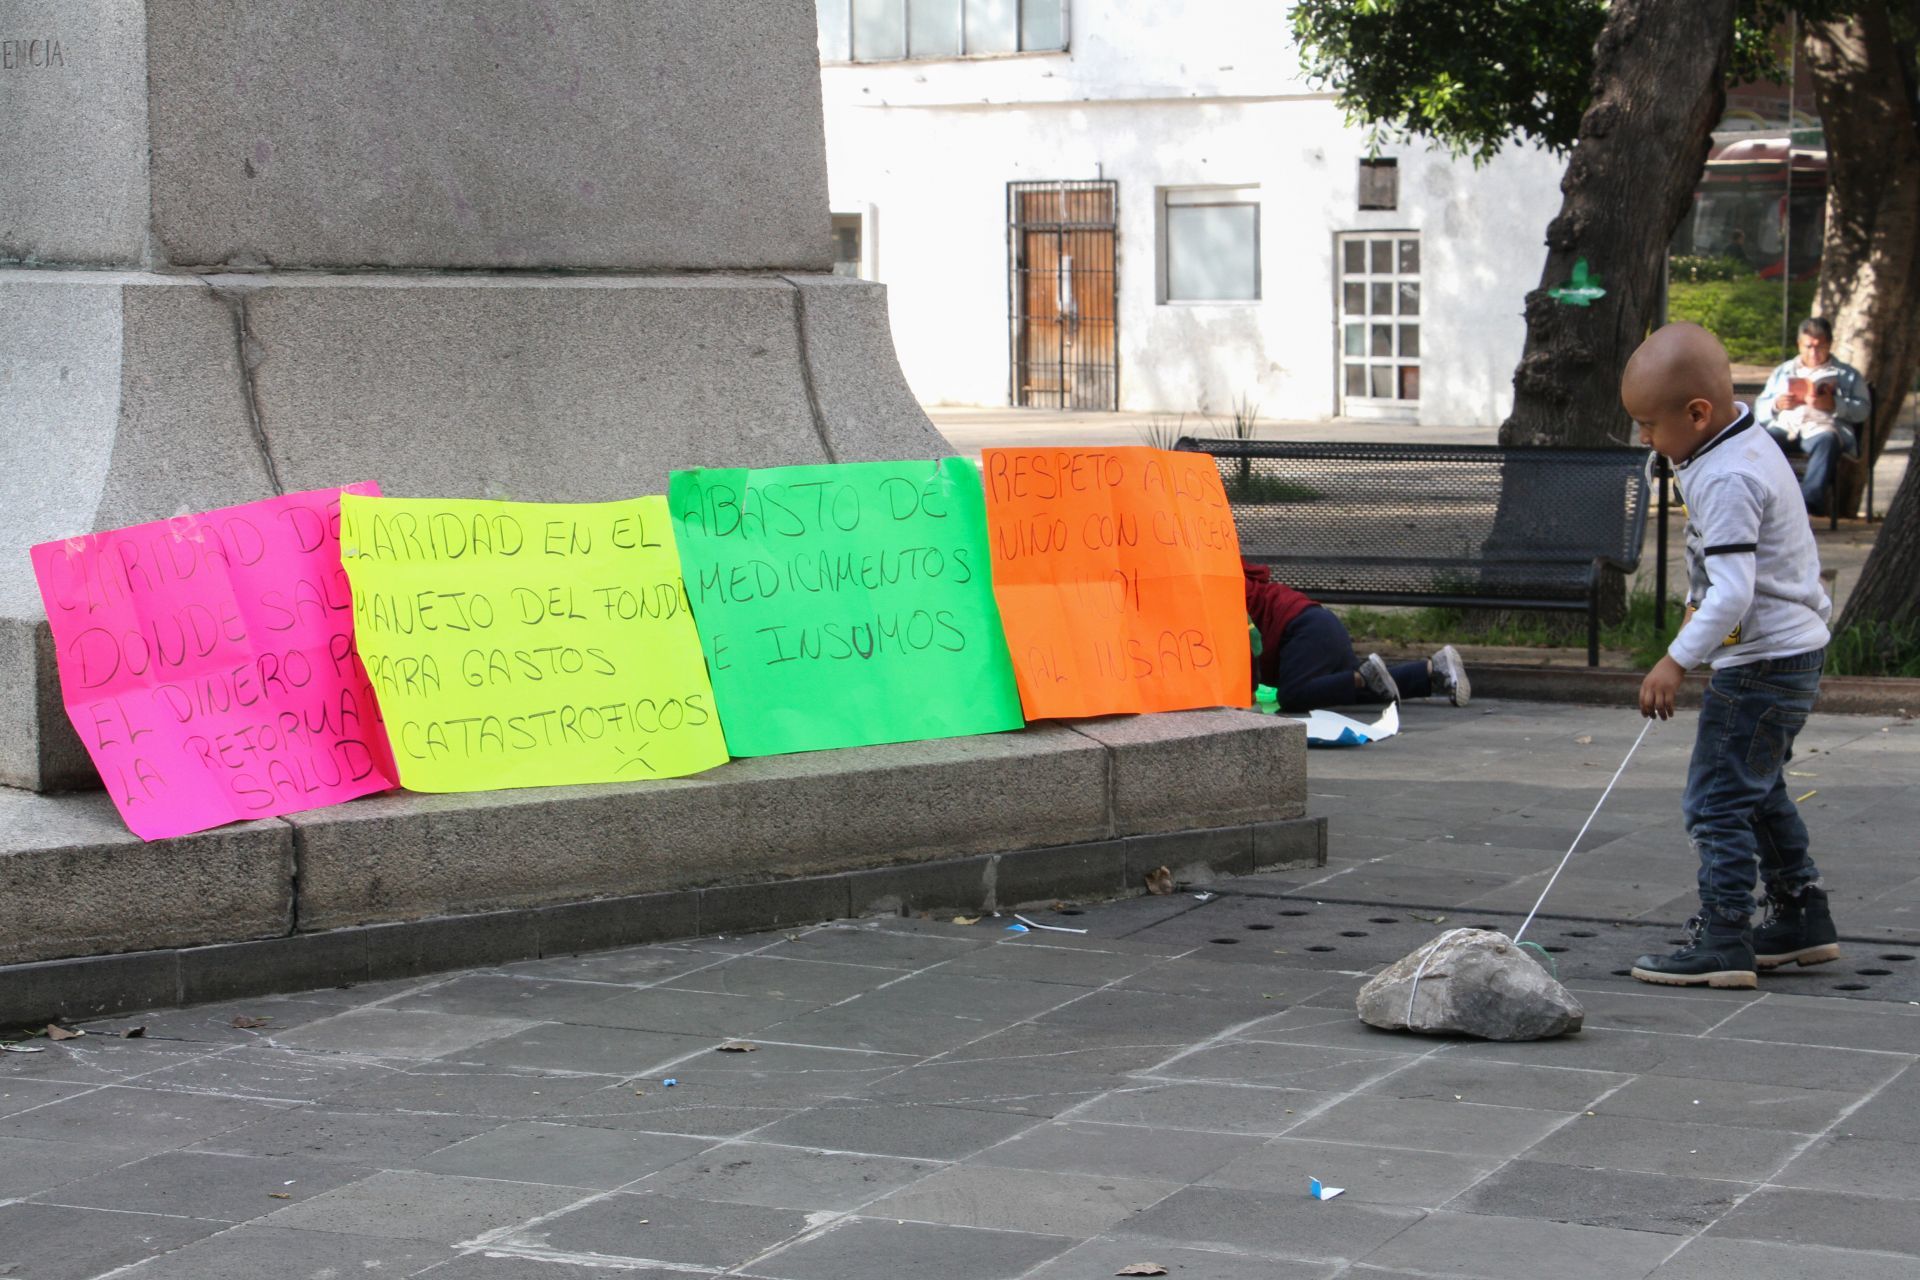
[
  {"x": 1695, "y": 269},
  {"x": 1744, "y": 314}
]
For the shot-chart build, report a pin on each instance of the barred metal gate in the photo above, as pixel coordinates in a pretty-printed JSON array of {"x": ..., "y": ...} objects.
[{"x": 1061, "y": 240}]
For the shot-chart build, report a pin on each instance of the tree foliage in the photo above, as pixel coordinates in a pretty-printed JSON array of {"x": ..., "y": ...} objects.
[
  {"x": 1470, "y": 75},
  {"x": 1597, "y": 80},
  {"x": 1475, "y": 75}
]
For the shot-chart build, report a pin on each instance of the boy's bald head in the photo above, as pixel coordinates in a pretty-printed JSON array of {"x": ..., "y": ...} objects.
[
  {"x": 1678, "y": 363},
  {"x": 1678, "y": 388}
]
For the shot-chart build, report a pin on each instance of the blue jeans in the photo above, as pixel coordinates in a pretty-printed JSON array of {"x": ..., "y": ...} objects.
[
  {"x": 1316, "y": 664},
  {"x": 1819, "y": 450},
  {"x": 1741, "y": 822}
]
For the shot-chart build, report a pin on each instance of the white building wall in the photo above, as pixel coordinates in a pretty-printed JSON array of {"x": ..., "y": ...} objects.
[{"x": 1155, "y": 96}]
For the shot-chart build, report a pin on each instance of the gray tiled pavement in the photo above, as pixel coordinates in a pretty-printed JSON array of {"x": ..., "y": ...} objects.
[{"x": 930, "y": 1100}]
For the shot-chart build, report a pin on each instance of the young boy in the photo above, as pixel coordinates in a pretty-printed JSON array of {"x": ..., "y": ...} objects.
[{"x": 1756, "y": 611}]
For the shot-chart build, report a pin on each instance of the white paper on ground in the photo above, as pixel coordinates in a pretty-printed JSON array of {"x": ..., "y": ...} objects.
[
  {"x": 1328, "y": 729},
  {"x": 1321, "y": 1191}
]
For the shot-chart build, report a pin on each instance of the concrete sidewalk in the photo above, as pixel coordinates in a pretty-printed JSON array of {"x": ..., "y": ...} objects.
[{"x": 950, "y": 1101}]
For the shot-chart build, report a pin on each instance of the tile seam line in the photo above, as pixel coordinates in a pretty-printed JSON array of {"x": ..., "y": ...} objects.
[
  {"x": 440, "y": 980},
  {"x": 1357, "y": 1091},
  {"x": 131, "y": 1269},
  {"x": 124, "y": 1083},
  {"x": 499, "y": 1235},
  {"x": 1811, "y": 1141},
  {"x": 612, "y": 1263},
  {"x": 1739, "y": 1007},
  {"x": 1038, "y": 1122},
  {"x": 1300, "y": 894},
  {"x": 132, "y": 1213},
  {"x": 1570, "y": 1118}
]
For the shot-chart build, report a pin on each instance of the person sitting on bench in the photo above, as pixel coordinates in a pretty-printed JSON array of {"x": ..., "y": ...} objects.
[
  {"x": 1815, "y": 405},
  {"x": 1307, "y": 655}
]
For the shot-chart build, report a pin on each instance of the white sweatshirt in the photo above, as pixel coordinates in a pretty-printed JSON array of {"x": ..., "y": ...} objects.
[{"x": 1753, "y": 572}]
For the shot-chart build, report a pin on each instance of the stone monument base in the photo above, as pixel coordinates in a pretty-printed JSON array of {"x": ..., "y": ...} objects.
[
  {"x": 136, "y": 396},
  {"x": 93, "y": 921}
]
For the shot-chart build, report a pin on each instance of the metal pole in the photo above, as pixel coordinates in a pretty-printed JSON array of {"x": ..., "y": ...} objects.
[
  {"x": 1014, "y": 305},
  {"x": 1866, "y": 447},
  {"x": 1786, "y": 231},
  {"x": 1660, "y": 569}
]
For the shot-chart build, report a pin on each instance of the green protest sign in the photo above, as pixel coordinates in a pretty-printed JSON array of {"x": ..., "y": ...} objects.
[{"x": 844, "y": 605}]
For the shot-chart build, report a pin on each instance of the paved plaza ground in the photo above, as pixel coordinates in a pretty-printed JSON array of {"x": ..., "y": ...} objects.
[{"x": 927, "y": 1099}]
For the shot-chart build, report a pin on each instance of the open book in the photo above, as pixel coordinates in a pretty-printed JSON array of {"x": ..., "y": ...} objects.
[{"x": 1817, "y": 389}]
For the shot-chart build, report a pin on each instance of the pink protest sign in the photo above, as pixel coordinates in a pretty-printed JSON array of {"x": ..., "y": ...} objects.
[{"x": 208, "y": 663}]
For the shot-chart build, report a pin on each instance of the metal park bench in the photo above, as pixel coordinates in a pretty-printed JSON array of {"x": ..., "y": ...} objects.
[{"x": 1450, "y": 525}]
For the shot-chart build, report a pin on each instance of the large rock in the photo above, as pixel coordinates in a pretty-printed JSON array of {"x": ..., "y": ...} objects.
[{"x": 1470, "y": 982}]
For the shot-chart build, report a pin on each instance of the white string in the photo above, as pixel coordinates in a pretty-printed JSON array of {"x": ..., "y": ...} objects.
[
  {"x": 1583, "y": 831},
  {"x": 1432, "y": 951}
]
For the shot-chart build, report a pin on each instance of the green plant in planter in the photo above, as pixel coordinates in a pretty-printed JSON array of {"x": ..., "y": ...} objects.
[{"x": 1163, "y": 433}]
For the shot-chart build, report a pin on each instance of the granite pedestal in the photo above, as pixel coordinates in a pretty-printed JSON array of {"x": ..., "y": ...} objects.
[
  {"x": 546, "y": 252},
  {"x": 543, "y": 252}
]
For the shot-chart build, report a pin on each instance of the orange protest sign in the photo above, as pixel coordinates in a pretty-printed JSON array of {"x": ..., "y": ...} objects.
[{"x": 1119, "y": 581}]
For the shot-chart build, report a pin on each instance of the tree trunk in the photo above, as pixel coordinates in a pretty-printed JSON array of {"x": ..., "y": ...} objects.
[
  {"x": 1864, "y": 85},
  {"x": 1888, "y": 593},
  {"x": 1659, "y": 71},
  {"x": 1658, "y": 91}
]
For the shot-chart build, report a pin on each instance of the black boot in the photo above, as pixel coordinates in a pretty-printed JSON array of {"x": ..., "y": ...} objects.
[
  {"x": 1718, "y": 953},
  {"x": 1798, "y": 930}
]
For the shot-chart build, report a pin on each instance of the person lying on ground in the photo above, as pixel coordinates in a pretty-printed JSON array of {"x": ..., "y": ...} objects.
[{"x": 1307, "y": 656}]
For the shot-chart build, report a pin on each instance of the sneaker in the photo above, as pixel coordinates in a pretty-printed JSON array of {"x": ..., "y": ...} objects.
[
  {"x": 1716, "y": 954},
  {"x": 1378, "y": 680},
  {"x": 1798, "y": 929},
  {"x": 1450, "y": 676}
]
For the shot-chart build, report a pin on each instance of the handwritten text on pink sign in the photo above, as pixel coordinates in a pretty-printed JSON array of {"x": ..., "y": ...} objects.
[{"x": 208, "y": 663}]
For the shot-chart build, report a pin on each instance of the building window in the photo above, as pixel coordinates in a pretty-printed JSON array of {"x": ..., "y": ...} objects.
[
  {"x": 1380, "y": 318},
  {"x": 894, "y": 30},
  {"x": 853, "y": 244},
  {"x": 1379, "y": 184},
  {"x": 1210, "y": 244},
  {"x": 847, "y": 244}
]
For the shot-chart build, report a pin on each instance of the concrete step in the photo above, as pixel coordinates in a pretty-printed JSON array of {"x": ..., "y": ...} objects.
[{"x": 91, "y": 918}]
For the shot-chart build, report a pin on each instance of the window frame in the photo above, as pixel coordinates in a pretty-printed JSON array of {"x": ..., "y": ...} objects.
[
  {"x": 1370, "y": 405},
  {"x": 1224, "y": 195},
  {"x": 867, "y": 218},
  {"x": 848, "y": 56},
  {"x": 1378, "y": 165}
]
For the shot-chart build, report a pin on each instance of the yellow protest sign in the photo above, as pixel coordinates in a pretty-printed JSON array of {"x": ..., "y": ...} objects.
[{"x": 525, "y": 644}]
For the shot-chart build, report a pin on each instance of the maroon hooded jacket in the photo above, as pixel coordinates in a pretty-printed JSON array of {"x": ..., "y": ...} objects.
[{"x": 1271, "y": 605}]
